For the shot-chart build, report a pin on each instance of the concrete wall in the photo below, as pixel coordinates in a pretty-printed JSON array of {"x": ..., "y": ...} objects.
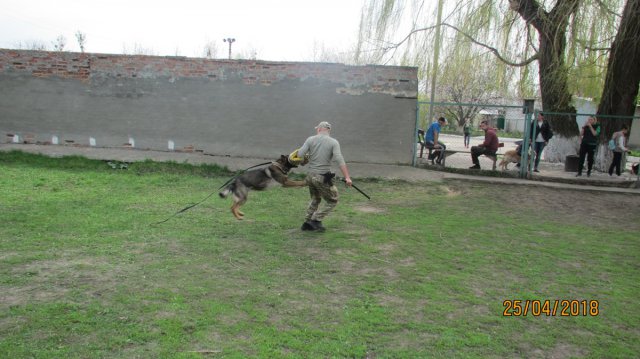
[{"x": 237, "y": 108}]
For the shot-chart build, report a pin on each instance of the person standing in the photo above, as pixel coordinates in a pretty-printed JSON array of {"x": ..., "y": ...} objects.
[
  {"x": 322, "y": 150},
  {"x": 619, "y": 138},
  {"x": 542, "y": 132},
  {"x": 488, "y": 148},
  {"x": 589, "y": 133},
  {"x": 466, "y": 129},
  {"x": 431, "y": 139}
]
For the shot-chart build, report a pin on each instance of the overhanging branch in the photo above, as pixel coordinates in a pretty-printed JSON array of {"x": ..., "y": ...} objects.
[
  {"x": 493, "y": 50},
  {"x": 606, "y": 8}
]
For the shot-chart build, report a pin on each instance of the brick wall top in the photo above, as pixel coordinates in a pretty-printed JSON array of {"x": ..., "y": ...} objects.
[
  {"x": 354, "y": 80},
  {"x": 45, "y": 64}
]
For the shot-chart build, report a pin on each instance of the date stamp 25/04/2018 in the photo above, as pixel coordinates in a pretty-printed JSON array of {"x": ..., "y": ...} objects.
[{"x": 550, "y": 308}]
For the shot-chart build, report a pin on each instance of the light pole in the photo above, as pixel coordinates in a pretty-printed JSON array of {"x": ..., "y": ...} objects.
[
  {"x": 435, "y": 62},
  {"x": 230, "y": 41}
]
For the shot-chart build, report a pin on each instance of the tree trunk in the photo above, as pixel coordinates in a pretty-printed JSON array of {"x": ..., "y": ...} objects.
[
  {"x": 622, "y": 80},
  {"x": 554, "y": 88},
  {"x": 560, "y": 147},
  {"x": 554, "y": 85},
  {"x": 603, "y": 158}
]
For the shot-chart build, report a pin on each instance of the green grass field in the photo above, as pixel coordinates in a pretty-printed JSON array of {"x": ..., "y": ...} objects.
[{"x": 420, "y": 271}]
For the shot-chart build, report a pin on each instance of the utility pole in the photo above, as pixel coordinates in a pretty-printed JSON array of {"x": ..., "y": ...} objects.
[
  {"x": 436, "y": 54},
  {"x": 230, "y": 41}
]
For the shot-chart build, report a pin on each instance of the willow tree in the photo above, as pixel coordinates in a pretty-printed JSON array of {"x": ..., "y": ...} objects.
[
  {"x": 568, "y": 40},
  {"x": 620, "y": 93}
]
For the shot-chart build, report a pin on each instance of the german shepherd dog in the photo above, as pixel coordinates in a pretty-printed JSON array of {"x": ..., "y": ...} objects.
[{"x": 258, "y": 180}]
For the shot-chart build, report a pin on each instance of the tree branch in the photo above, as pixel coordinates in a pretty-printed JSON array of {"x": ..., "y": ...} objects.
[
  {"x": 597, "y": 48},
  {"x": 495, "y": 51},
  {"x": 470, "y": 38},
  {"x": 530, "y": 11},
  {"x": 606, "y": 8},
  {"x": 406, "y": 38},
  {"x": 563, "y": 10}
]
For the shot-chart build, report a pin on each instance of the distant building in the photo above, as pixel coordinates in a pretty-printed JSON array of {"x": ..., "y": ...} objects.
[{"x": 492, "y": 115}]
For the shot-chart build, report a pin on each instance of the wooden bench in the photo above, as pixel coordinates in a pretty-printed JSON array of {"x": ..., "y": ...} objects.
[
  {"x": 448, "y": 151},
  {"x": 494, "y": 158}
]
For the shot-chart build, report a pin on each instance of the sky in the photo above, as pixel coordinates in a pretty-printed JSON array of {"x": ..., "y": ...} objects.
[{"x": 277, "y": 30}]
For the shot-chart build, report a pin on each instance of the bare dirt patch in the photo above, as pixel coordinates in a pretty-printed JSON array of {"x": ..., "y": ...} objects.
[
  {"x": 370, "y": 209},
  {"x": 49, "y": 280},
  {"x": 567, "y": 351},
  {"x": 562, "y": 205},
  {"x": 451, "y": 192}
]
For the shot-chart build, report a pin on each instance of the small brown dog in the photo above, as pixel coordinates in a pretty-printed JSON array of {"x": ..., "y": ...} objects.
[
  {"x": 509, "y": 157},
  {"x": 258, "y": 180}
]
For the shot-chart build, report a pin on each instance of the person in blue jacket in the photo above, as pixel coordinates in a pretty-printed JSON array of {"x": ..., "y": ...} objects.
[{"x": 431, "y": 139}]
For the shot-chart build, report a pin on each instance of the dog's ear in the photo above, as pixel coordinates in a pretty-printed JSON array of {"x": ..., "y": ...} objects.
[{"x": 284, "y": 158}]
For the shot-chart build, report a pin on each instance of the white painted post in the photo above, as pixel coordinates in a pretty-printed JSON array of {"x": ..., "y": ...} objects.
[
  {"x": 54, "y": 140},
  {"x": 171, "y": 145},
  {"x": 92, "y": 142}
]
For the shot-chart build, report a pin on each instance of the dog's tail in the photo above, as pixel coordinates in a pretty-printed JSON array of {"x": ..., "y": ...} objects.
[{"x": 225, "y": 192}]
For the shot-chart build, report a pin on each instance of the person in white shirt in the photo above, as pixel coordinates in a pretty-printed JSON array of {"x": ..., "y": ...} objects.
[{"x": 619, "y": 139}]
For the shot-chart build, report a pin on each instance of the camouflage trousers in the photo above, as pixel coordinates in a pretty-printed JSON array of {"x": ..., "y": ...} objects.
[{"x": 319, "y": 191}]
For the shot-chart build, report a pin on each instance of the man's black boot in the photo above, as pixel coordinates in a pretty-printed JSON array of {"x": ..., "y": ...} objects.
[
  {"x": 317, "y": 226},
  {"x": 307, "y": 226}
]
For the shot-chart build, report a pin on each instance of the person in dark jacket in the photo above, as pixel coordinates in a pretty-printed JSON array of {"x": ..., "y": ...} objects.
[
  {"x": 590, "y": 132},
  {"x": 540, "y": 135},
  {"x": 466, "y": 129}
]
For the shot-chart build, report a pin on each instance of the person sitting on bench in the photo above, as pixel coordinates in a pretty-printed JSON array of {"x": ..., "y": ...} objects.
[
  {"x": 488, "y": 148},
  {"x": 431, "y": 139}
]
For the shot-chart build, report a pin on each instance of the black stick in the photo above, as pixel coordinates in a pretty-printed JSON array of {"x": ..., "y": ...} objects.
[{"x": 356, "y": 187}]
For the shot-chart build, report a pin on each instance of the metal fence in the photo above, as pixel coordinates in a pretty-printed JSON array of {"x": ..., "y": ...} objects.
[{"x": 510, "y": 159}]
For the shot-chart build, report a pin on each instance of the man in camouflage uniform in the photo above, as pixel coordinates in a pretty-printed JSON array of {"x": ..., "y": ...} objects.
[{"x": 322, "y": 149}]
